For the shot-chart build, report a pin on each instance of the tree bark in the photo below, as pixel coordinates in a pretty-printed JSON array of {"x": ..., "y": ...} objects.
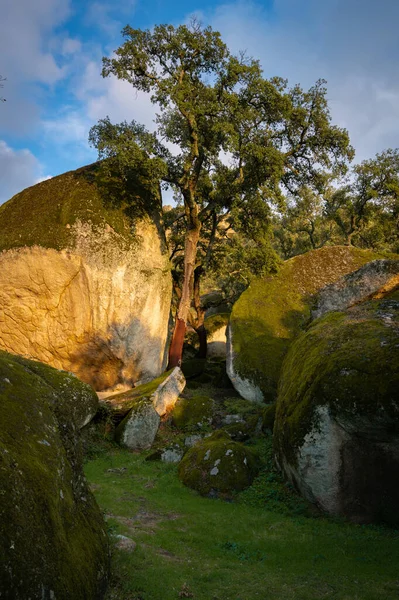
[{"x": 190, "y": 254}]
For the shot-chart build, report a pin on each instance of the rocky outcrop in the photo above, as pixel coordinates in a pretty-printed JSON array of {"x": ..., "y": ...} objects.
[
  {"x": 374, "y": 279},
  {"x": 336, "y": 432},
  {"x": 84, "y": 286},
  {"x": 218, "y": 466},
  {"x": 53, "y": 542},
  {"x": 274, "y": 310},
  {"x": 137, "y": 413}
]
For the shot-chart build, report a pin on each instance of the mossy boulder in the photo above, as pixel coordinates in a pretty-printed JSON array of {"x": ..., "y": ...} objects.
[
  {"x": 274, "y": 310},
  {"x": 53, "y": 541},
  {"x": 268, "y": 418},
  {"x": 193, "y": 413},
  {"x": 85, "y": 283},
  {"x": 336, "y": 432},
  {"x": 218, "y": 466}
]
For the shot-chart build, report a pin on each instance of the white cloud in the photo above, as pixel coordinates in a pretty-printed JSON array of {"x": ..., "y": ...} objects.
[
  {"x": 18, "y": 170},
  {"x": 70, "y": 46},
  {"x": 355, "y": 50},
  {"x": 25, "y": 30}
]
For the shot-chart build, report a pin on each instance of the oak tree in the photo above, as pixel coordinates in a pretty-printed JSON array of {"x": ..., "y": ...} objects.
[{"x": 239, "y": 140}]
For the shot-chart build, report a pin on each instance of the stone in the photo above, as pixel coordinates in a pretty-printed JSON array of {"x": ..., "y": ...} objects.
[
  {"x": 336, "y": 432},
  {"x": 193, "y": 413},
  {"x": 216, "y": 326},
  {"x": 172, "y": 455},
  {"x": 125, "y": 543},
  {"x": 137, "y": 413},
  {"x": 191, "y": 440},
  {"x": 274, "y": 310},
  {"x": 375, "y": 279},
  {"x": 84, "y": 287},
  {"x": 53, "y": 542},
  {"x": 138, "y": 429},
  {"x": 218, "y": 466}
]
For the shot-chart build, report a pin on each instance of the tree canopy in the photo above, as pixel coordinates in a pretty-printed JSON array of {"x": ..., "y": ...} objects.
[{"x": 230, "y": 142}]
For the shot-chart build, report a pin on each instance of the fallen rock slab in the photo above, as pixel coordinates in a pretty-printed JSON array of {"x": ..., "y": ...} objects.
[{"x": 137, "y": 413}]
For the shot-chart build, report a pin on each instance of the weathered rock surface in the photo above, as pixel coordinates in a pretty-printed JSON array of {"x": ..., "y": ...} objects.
[
  {"x": 53, "y": 542},
  {"x": 137, "y": 412},
  {"x": 79, "y": 289},
  {"x": 274, "y": 310},
  {"x": 336, "y": 432},
  {"x": 376, "y": 279},
  {"x": 216, "y": 326},
  {"x": 218, "y": 465}
]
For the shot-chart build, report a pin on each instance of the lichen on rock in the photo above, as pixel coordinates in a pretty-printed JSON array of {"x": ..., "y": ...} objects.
[
  {"x": 53, "y": 541},
  {"x": 336, "y": 433},
  {"x": 218, "y": 466},
  {"x": 78, "y": 289}
]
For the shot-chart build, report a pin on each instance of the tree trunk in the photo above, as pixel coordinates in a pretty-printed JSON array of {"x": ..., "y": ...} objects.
[
  {"x": 203, "y": 342},
  {"x": 200, "y": 314},
  {"x": 190, "y": 255}
]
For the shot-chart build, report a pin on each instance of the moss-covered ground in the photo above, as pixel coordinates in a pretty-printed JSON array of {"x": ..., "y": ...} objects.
[{"x": 264, "y": 543}]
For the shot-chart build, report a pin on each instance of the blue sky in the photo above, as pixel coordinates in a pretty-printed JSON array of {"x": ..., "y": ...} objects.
[{"x": 51, "y": 50}]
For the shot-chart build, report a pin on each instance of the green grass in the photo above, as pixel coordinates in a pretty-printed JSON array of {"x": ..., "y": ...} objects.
[{"x": 257, "y": 547}]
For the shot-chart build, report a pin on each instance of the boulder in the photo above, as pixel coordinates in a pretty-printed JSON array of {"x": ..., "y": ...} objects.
[
  {"x": 336, "y": 432},
  {"x": 53, "y": 541},
  {"x": 218, "y": 466},
  {"x": 216, "y": 326},
  {"x": 193, "y": 413},
  {"x": 375, "y": 279},
  {"x": 84, "y": 285},
  {"x": 137, "y": 413},
  {"x": 274, "y": 310}
]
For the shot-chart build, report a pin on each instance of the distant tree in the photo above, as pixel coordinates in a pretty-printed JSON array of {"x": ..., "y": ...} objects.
[
  {"x": 367, "y": 209},
  {"x": 213, "y": 104},
  {"x": 304, "y": 224}
]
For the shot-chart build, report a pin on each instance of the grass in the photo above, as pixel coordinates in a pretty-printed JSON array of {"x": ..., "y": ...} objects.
[
  {"x": 266, "y": 543},
  {"x": 257, "y": 547}
]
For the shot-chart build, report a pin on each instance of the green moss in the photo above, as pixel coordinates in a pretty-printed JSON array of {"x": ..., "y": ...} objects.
[
  {"x": 75, "y": 400},
  {"x": 125, "y": 401},
  {"x": 268, "y": 417},
  {"x": 193, "y": 413},
  {"x": 45, "y": 503},
  {"x": 216, "y": 322},
  {"x": 218, "y": 465},
  {"x": 53, "y": 206},
  {"x": 348, "y": 361},
  {"x": 271, "y": 313}
]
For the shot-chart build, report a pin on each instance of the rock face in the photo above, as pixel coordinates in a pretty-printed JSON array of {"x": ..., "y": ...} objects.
[
  {"x": 373, "y": 279},
  {"x": 83, "y": 287},
  {"x": 274, "y": 310},
  {"x": 53, "y": 542},
  {"x": 216, "y": 326},
  {"x": 337, "y": 421},
  {"x": 137, "y": 412},
  {"x": 217, "y": 465}
]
